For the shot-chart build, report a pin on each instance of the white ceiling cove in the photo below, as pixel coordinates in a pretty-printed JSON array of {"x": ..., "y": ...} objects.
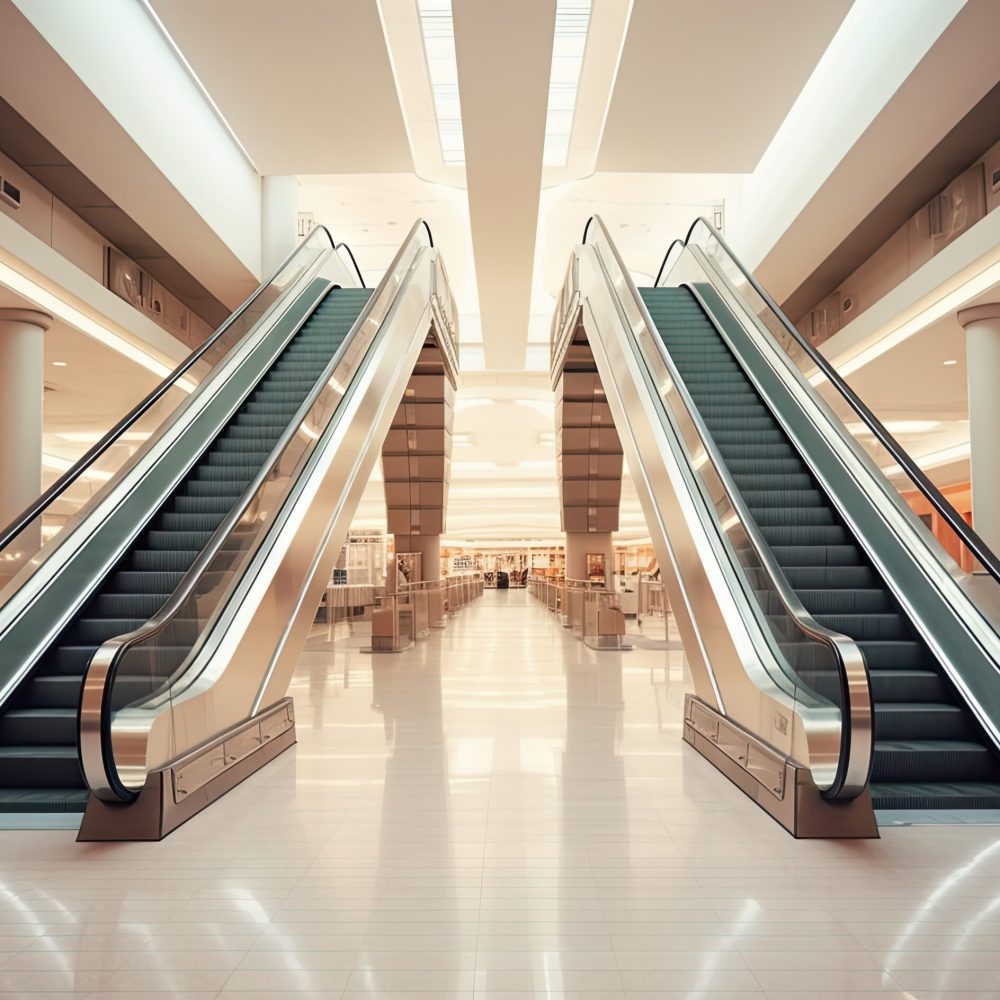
[
  {"x": 704, "y": 86},
  {"x": 307, "y": 86}
]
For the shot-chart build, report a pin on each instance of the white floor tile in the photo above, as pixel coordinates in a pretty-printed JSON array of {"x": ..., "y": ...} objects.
[{"x": 498, "y": 813}]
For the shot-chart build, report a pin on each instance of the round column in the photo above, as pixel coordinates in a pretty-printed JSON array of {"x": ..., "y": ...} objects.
[
  {"x": 22, "y": 384},
  {"x": 982, "y": 340},
  {"x": 279, "y": 212}
]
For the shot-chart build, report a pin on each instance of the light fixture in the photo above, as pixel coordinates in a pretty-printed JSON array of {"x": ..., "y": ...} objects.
[
  {"x": 934, "y": 459},
  {"x": 60, "y": 364},
  {"x": 92, "y": 437},
  {"x": 568, "y": 46},
  {"x": 56, "y": 463},
  {"x": 949, "y": 362},
  {"x": 438, "y": 30},
  {"x": 896, "y": 427}
]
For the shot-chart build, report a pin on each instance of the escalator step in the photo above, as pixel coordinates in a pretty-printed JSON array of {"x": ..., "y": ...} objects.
[
  {"x": 817, "y": 555},
  {"x": 85, "y": 631},
  {"x": 39, "y": 767},
  {"x": 832, "y": 602},
  {"x": 176, "y": 521},
  {"x": 830, "y": 577},
  {"x": 936, "y": 795},
  {"x": 173, "y": 541},
  {"x": 930, "y": 721},
  {"x": 932, "y": 760},
  {"x": 867, "y": 626},
  {"x": 805, "y": 534},
  {"x": 160, "y": 561},
  {"x": 69, "y": 661},
  {"x": 136, "y": 582},
  {"x": 112, "y": 605},
  {"x": 244, "y": 434},
  {"x": 773, "y": 482},
  {"x": 906, "y": 685},
  {"x": 788, "y": 516},
  {"x": 43, "y": 800},
  {"x": 213, "y": 488},
  {"x": 783, "y": 498},
  {"x": 755, "y": 451},
  {"x": 39, "y": 727},
  {"x": 896, "y": 655},
  {"x": 855, "y": 601},
  {"x": 242, "y": 458}
]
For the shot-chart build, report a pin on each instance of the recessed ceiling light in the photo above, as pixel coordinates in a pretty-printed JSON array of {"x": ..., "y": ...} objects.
[
  {"x": 950, "y": 362},
  {"x": 438, "y": 31},
  {"x": 60, "y": 364},
  {"x": 568, "y": 46}
]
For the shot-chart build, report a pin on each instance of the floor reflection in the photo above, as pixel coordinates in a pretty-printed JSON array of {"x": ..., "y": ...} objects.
[{"x": 498, "y": 812}]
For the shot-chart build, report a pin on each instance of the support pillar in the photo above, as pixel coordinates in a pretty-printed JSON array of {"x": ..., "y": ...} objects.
[
  {"x": 429, "y": 547},
  {"x": 982, "y": 338},
  {"x": 279, "y": 212},
  {"x": 579, "y": 544},
  {"x": 22, "y": 385}
]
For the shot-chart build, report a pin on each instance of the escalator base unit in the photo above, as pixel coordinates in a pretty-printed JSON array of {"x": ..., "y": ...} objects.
[
  {"x": 783, "y": 788},
  {"x": 179, "y": 790}
]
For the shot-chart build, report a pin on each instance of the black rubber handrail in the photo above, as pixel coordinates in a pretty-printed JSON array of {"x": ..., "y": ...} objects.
[
  {"x": 983, "y": 553},
  {"x": 666, "y": 259},
  {"x": 350, "y": 253},
  {"x": 91, "y": 455}
]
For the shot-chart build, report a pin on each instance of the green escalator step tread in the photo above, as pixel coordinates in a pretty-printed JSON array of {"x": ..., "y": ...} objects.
[
  {"x": 936, "y": 795},
  {"x": 43, "y": 800}
]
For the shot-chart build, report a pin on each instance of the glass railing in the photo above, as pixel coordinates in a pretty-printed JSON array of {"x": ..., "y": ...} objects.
[
  {"x": 137, "y": 676},
  {"x": 82, "y": 487},
  {"x": 821, "y": 672},
  {"x": 549, "y": 591}
]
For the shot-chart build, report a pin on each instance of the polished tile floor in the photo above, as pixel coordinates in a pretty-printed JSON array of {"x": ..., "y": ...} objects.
[{"x": 498, "y": 812}]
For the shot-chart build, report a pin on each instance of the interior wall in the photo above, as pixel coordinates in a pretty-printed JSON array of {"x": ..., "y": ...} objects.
[
  {"x": 58, "y": 226},
  {"x": 969, "y": 198}
]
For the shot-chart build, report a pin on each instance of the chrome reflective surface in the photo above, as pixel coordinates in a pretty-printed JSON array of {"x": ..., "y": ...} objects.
[
  {"x": 954, "y": 612},
  {"x": 498, "y": 812},
  {"x": 705, "y": 535},
  {"x": 253, "y": 592},
  {"x": 57, "y": 580}
]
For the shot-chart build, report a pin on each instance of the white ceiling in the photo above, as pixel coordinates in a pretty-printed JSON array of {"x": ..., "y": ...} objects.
[
  {"x": 307, "y": 86},
  {"x": 311, "y": 89},
  {"x": 503, "y": 112},
  {"x": 704, "y": 86}
]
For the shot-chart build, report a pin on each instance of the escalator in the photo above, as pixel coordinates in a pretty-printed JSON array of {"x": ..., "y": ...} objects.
[
  {"x": 929, "y": 752},
  {"x": 39, "y": 758},
  {"x": 842, "y": 658},
  {"x": 173, "y": 599}
]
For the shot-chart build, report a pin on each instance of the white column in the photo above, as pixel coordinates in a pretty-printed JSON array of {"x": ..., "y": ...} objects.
[
  {"x": 982, "y": 339},
  {"x": 22, "y": 381},
  {"x": 279, "y": 212}
]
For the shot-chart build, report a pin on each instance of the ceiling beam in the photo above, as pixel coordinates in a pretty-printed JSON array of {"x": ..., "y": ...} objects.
[{"x": 504, "y": 54}]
